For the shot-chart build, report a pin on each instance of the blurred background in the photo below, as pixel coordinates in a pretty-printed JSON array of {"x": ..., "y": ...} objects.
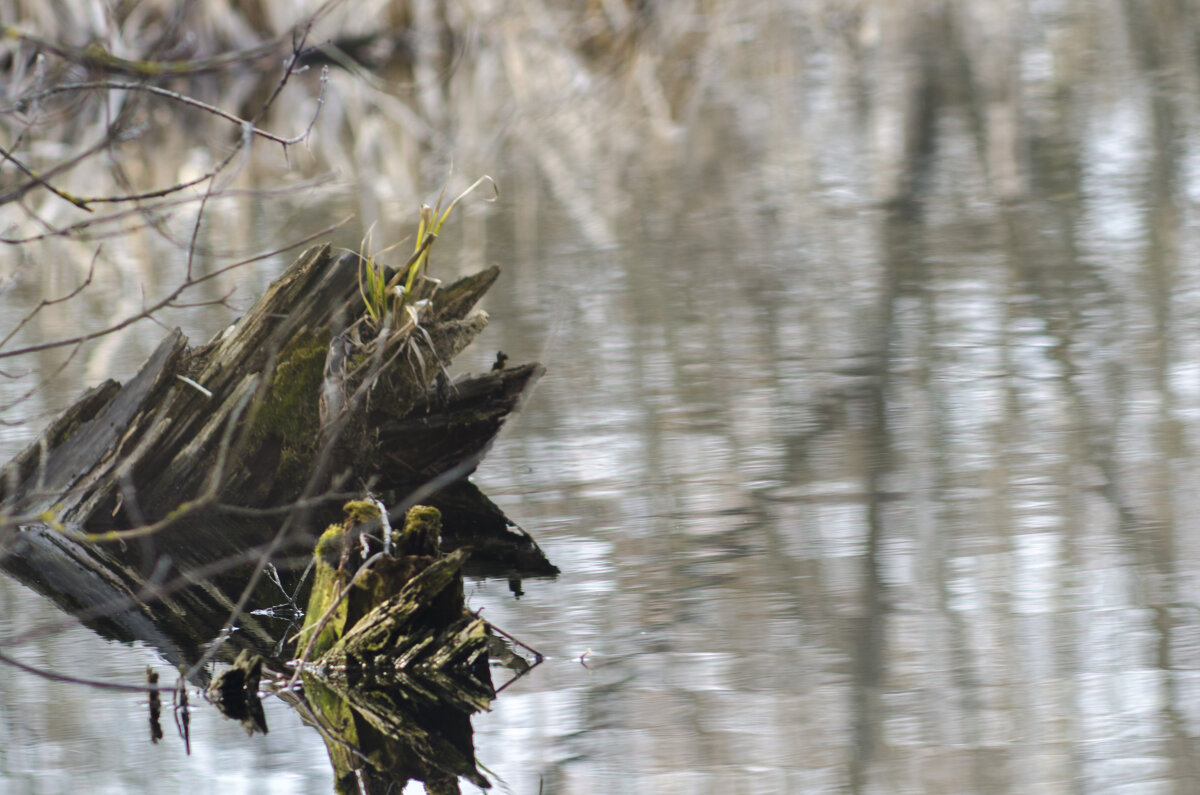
[{"x": 870, "y": 439}]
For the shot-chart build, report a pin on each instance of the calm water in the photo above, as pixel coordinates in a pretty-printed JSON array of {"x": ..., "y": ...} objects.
[{"x": 869, "y": 448}]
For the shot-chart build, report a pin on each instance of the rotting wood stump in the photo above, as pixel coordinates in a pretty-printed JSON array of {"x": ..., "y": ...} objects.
[
  {"x": 296, "y": 399},
  {"x": 273, "y": 408},
  {"x": 403, "y": 612}
]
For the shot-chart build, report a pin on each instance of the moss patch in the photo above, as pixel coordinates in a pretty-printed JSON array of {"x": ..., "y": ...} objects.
[
  {"x": 290, "y": 412},
  {"x": 328, "y": 581},
  {"x": 422, "y": 531},
  {"x": 330, "y": 544},
  {"x": 359, "y": 511},
  {"x": 291, "y": 408},
  {"x": 338, "y": 557}
]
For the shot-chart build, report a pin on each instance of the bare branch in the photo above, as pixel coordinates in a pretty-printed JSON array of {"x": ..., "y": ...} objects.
[
  {"x": 169, "y": 301},
  {"x": 175, "y": 96},
  {"x": 75, "y": 680},
  {"x": 45, "y": 302},
  {"x": 94, "y": 56},
  {"x": 80, "y": 203},
  {"x": 33, "y": 390}
]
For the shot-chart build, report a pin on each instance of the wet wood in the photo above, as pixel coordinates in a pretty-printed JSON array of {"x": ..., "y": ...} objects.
[
  {"x": 235, "y": 692},
  {"x": 453, "y": 425},
  {"x": 395, "y": 660},
  {"x": 402, "y": 613},
  {"x": 127, "y": 454}
]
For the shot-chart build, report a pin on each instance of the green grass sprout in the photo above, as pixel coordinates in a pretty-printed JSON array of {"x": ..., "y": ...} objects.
[
  {"x": 372, "y": 281},
  {"x": 386, "y": 301},
  {"x": 430, "y": 225}
]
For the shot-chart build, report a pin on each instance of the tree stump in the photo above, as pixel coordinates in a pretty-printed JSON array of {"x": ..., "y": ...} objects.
[
  {"x": 285, "y": 403},
  {"x": 272, "y": 408}
]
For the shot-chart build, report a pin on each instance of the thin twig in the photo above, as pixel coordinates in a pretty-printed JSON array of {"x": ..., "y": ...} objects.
[
  {"x": 169, "y": 301},
  {"x": 121, "y": 85},
  {"x": 74, "y": 229},
  {"x": 75, "y": 680},
  {"x": 45, "y": 302},
  {"x": 80, "y": 203}
]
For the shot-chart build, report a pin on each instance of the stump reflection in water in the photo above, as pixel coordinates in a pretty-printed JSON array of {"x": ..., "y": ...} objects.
[{"x": 399, "y": 664}]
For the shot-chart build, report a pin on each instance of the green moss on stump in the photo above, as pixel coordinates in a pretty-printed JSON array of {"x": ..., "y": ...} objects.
[
  {"x": 328, "y": 580},
  {"x": 290, "y": 413},
  {"x": 338, "y": 557},
  {"x": 290, "y": 410},
  {"x": 359, "y": 511},
  {"x": 422, "y": 531}
]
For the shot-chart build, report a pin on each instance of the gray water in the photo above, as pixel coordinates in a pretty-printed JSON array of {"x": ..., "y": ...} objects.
[{"x": 870, "y": 435}]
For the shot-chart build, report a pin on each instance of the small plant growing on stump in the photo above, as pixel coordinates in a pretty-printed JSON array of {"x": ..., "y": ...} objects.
[{"x": 390, "y": 301}]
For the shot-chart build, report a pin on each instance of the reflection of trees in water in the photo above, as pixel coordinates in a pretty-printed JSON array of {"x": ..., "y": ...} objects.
[{"x": 956, "y": 357}]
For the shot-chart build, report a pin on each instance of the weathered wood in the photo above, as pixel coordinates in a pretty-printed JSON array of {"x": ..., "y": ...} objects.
[
  {"x": 456, "y": 426},
  {"x": 299, "y": 396},
  {"x": 399, "y": 629},
  {"x": 499, "y": 548},
  {"x": 405, "y": 613},
  {"x": 235, "y": 692},
  {"x": 129, "y": 454},
  {"x": 379, "y": 737},
  {"x": 317, "y": 291},
  {"x": 457, "y": 300},
  {"x": 68, "y": 468},
  {"x": 399, "y": 663},
  {"x": 23, "y": 469}
]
